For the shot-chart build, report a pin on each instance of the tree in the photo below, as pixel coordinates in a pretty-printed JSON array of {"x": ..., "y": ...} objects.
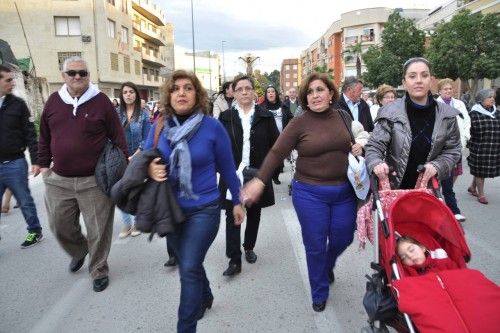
[
  {"x": 467, "y": 47},
  {"x": 274, "y": 79},
  {"x": 401, "y": 40},
  {"x": 324, "y": 69},
  {"x": 261, "y": 81},
  {"x": 354, "y": 52}
]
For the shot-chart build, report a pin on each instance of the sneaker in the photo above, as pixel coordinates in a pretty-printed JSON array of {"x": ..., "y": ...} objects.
[
  {"x": 125, "y": 232},
  {"x": 134, "y": 232},
  {"x": 31, "y": 239},
  {"x": 460, "y": 217}
]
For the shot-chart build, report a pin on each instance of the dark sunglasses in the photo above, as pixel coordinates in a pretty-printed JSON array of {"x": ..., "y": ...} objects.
[{"x": 73, "y": 73}]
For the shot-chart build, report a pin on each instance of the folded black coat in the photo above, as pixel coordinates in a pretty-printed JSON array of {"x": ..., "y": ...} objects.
[{"x": 154, "y": 204}]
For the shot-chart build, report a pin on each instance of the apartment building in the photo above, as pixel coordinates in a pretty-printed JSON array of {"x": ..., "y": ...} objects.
[
  {"x": 290, "y": 74},
  {"x": 106, "y": 33},
  {"x": 208, "y": 68},
  {"x": 359, "y": 27}
]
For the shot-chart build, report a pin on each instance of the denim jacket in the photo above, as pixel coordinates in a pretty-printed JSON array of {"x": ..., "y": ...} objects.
[{"x": 136, "y": 132}]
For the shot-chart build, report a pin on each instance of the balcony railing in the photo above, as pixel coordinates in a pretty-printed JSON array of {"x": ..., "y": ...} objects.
[
  {"x": 150, "y": 10},
  {"x": 149, "y": 34}
]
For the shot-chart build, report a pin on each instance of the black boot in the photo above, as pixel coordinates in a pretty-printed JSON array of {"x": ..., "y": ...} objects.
[{"x": 233, "y": 269}]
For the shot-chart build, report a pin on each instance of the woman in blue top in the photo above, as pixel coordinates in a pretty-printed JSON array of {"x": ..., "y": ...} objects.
[
  {"x": 194, "y": 147},
  {"x": 136, "y": 126}
]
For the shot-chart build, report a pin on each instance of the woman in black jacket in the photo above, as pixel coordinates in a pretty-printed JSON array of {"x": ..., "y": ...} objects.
[
  {"x": 282, "y": 116},
  {"x": 252, "y": 131}
]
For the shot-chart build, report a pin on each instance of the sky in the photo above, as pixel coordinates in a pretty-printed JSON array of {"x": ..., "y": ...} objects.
[{"x": 271, "y": 30}]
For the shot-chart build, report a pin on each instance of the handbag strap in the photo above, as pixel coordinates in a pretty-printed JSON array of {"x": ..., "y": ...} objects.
[
  {"x": 349, "y": 129},
  {"x": 160, "y": 123}
]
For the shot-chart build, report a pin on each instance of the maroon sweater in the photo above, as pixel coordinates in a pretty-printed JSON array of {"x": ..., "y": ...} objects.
[
  {"x": 323, "y": 143},
  {"x": 74, "y": 143}
]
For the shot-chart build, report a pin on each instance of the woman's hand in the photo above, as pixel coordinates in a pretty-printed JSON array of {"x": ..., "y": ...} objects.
[
  {"x": 430, "y": 171},
  {"x": 157, "y": 171},
  {"x": 381, "y": 170},
  {"x": 252, "y": 191},
  {"x": 238, "y": 214},
  {"x": 356, "y": 149}
]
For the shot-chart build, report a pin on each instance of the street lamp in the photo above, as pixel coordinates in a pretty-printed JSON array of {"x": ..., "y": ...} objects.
[
  {"x": 223, "y": 63},
  {"x": 192, "y": 33}
]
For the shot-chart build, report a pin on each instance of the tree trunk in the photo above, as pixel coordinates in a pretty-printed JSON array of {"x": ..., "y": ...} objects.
[
  {"x": 358, "y": 67},
  {"x": 473, "y": 90}
]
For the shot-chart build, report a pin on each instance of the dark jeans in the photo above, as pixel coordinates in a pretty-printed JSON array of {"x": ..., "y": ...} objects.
[
  {"x": 327, "y": 216},
  {"x": 190, "y": 244},
  {"x": 449, "y": 194},
  {"x": 14, "y": 175},
  {"x": 233, "y": 233}
]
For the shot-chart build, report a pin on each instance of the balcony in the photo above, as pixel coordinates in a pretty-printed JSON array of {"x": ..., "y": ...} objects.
[
  {"x": 148, "y": 34},
  {"x": 153, "y": 60},
  {"x": 149, "y": 10}
]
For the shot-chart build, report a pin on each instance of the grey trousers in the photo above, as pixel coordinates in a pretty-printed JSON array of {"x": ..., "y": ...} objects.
[{"x": 65, "y": 198}]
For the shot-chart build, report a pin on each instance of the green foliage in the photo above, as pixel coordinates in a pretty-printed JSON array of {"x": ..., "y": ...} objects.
[
  {"x": 401, "y": 40},
  {"x": 467, "y": 47},
  {"x": 274, "y": 78},
  {"x": 324, "y": 69},
  {"x": 354, "y": 51},
  {"x": 261, "y": 81}
]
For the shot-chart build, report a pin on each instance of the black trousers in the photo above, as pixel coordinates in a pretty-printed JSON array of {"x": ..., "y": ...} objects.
[{"x": 233, "y": 233}]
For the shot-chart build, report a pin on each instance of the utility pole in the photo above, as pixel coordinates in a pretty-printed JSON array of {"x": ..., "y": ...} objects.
[
  {"x": 223, "y": 63},
  {"x": 192, "y": 33}
]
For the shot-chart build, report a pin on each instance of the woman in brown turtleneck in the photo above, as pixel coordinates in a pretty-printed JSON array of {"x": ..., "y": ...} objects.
[{"x": 322, "y": 196}]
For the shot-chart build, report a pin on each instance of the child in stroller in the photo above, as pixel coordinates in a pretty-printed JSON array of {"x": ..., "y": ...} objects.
[{"x": 418, "y": 260}]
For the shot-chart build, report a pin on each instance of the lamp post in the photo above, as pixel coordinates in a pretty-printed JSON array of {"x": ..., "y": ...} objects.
[
  {"x": 223, "y": 63},
  {"x": 192, "y": 33}
]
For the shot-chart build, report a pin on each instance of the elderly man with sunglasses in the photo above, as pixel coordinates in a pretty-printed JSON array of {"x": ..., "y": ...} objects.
[{"x": 76, "y": 123}]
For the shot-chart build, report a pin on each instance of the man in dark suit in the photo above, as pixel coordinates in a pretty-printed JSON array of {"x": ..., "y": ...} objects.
[{"x": 350, "y": 100}]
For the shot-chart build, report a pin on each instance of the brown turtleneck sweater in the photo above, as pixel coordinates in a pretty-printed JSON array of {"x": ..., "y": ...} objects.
[{"x": 323, "y": 143}]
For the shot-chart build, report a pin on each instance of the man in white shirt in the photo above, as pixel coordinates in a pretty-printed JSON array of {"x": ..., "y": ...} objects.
[{"x": 351, "y": 101}]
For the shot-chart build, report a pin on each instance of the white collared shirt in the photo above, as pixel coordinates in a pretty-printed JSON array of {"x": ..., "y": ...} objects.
[
  {"x": 246, "y": 124},
  {"x": 353, "y": 107},
  {"x": 1, "y": 100}
]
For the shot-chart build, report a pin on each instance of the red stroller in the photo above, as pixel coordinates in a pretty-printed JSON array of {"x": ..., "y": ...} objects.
[{"x": 459, "y": 300}]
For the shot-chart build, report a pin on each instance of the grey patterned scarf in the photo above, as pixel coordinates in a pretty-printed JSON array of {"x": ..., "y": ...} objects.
[{"x": 180, "y": 158}]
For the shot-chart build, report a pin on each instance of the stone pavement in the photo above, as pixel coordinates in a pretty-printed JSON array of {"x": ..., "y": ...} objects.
[{"x": 38, "y": 294}]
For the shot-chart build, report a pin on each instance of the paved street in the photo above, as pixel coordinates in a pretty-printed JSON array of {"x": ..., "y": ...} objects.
[{"x": 38, "y": 294}]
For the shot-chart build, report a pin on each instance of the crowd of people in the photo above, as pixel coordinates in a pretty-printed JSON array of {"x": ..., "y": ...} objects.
[{"x": 246, "y": 143}]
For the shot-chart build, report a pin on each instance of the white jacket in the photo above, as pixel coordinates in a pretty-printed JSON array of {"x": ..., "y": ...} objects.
[{"x": 463, "y": 123}]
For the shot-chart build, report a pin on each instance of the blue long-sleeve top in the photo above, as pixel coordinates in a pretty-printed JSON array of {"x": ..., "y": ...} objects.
[
  {"x": 210, "y": 150},
  {"x": 137, "y": 130}
]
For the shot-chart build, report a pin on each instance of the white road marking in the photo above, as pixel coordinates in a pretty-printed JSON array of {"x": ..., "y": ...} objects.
[
  {"x": 327, "y": 321},
  {"x": 53, "y": 318}
]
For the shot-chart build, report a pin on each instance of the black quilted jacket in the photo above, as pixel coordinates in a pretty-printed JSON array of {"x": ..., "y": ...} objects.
[{"x": 154, "y": 204}]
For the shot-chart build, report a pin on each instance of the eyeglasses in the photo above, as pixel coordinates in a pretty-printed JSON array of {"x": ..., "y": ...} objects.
[
  {"x": 72, "y": 73},
  {"x": 241, "y": 89}
]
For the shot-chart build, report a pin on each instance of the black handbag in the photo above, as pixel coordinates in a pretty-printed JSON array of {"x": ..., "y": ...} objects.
[
  {"x": 249, "y": 173},
  {"x": 378, "y": 301}
]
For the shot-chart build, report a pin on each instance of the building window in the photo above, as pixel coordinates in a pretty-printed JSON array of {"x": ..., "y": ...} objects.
[
  {"x": 351, "y": 40},
  {"x": 145, "y": 71},
  {"x": 295, "y": 67},
  {"x": 287, "y": 76},
  {"x": 111, "y": 28},
  {"x": 287, "y": 84},
  {"x": 114, "y": 61},
  {"x": 67, "y": 26},
  {"x": 294, "y": 75},
  {"x": 112, "y": 2},
  {"x": 157, "y": 73},
  {"x": 61, "y": 56},
  {"x": 368, "y": 35},
  {"x": 124, "y": 35},
  {"x": 124, "y": 6},
  {"x": 287, "y": 67},
  {"x": 137, "y": 67},
  {"x": 126, "y": 64}
]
